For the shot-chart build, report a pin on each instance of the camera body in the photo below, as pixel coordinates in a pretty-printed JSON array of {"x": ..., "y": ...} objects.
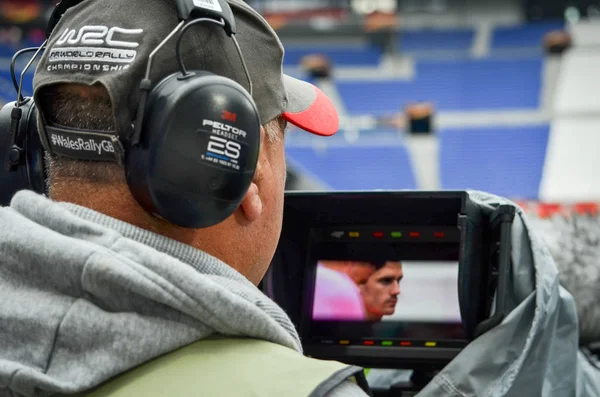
[{"x": 452, "y": 254}]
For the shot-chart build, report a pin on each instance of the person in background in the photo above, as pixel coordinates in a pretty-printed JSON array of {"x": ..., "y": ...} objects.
[{"x": 337, "y": 294}]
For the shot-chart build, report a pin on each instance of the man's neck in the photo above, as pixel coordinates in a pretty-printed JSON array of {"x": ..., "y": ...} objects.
[
  {"x": 370, "y": 316},
  {"x": 117, "y": 202}
]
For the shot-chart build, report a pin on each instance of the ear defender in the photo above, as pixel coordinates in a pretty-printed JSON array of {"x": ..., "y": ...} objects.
[
  {"x": 198, "y": 149},
  {"x": 195, "y": 144}
]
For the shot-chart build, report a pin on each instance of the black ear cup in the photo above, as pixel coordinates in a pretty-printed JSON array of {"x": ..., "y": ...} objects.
[
  {"x": 28, "y": 170},
  {"x": 198, "y": 150}
]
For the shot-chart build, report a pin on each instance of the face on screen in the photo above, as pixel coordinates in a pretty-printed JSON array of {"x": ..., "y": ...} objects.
[{"x": 380, "y": 292}]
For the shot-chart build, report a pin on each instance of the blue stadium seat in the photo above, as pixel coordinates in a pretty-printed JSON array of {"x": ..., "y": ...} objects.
[
  {"x": 435, "y": 39},
  {"x": 7, "y": 90},
  {"x": 489, "y": 84},
  {"x": 507, "y": 161},
  {"x": 344, "y": 56},
  {"x": 522, "y": 36},
  {"x": 7, "y": 51},
  {"x": 356, "y": 167}
]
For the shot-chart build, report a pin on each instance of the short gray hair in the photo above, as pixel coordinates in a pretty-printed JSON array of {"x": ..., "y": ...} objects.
[{"x": 275, "y": 129}]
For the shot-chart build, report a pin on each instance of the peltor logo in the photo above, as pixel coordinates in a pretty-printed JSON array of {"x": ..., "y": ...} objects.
[{"x": 94, "y": 48}]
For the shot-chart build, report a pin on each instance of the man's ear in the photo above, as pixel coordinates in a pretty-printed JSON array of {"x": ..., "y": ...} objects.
[{"x": 252, "y": 203}]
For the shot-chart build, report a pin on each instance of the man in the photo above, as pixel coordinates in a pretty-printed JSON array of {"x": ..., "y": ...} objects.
[
  {"x": 103, "y": 298},
  {"x": 380, "y": 292},
  {"x": 337, "y": 294}
]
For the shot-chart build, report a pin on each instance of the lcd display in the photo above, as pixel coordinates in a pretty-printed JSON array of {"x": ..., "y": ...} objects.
[{"x": 371, "y": 287}]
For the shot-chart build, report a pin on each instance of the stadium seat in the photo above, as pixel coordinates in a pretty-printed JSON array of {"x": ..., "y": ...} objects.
[
  {"x": 7, "y": 90},
  {"x": 523, "y": 36},
  {"x": 7, "y": 51},
  {"x": 455, "y": 85},
  {"x": 339, "y": 56},
  {"x": 356, "y": 167},
  {"x": 507, "y": 161},
  {"x": 435, "y": 39}
]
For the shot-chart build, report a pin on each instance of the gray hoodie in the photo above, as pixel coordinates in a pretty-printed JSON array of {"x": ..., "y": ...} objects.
[{"x": 85, "y": 297}]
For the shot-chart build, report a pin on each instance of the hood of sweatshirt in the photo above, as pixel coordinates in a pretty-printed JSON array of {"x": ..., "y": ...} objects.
[{"x": 84, "y": 297}]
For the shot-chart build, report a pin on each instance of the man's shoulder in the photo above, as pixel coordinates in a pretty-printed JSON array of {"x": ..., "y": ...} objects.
[{"x": 230, "y": 366}]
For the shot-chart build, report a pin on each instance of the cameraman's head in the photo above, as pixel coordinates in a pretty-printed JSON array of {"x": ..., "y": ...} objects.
[
  {"x": 102, "y": 185},
  {"x": 94, "y": 86}
]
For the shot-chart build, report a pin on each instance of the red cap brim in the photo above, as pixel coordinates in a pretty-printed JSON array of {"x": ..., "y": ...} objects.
[{"x": 309, "y": 108}]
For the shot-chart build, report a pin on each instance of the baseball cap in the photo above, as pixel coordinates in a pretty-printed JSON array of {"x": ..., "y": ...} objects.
[{"x": 108, "y": 42}]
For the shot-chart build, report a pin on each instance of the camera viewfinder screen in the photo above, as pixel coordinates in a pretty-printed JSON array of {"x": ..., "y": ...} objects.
[
  {"x": 375, "y": 286},
  {"x": 408, "y": 291}
]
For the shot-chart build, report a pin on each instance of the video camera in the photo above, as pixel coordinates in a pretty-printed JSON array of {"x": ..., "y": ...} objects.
[{"x": 435, "y": 263}]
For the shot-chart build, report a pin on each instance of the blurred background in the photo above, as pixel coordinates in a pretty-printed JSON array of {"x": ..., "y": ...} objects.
[{"x": 495, "y": 95}]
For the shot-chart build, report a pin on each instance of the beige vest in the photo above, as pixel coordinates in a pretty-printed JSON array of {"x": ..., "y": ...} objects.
[{"x": 229, "y": 367}]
